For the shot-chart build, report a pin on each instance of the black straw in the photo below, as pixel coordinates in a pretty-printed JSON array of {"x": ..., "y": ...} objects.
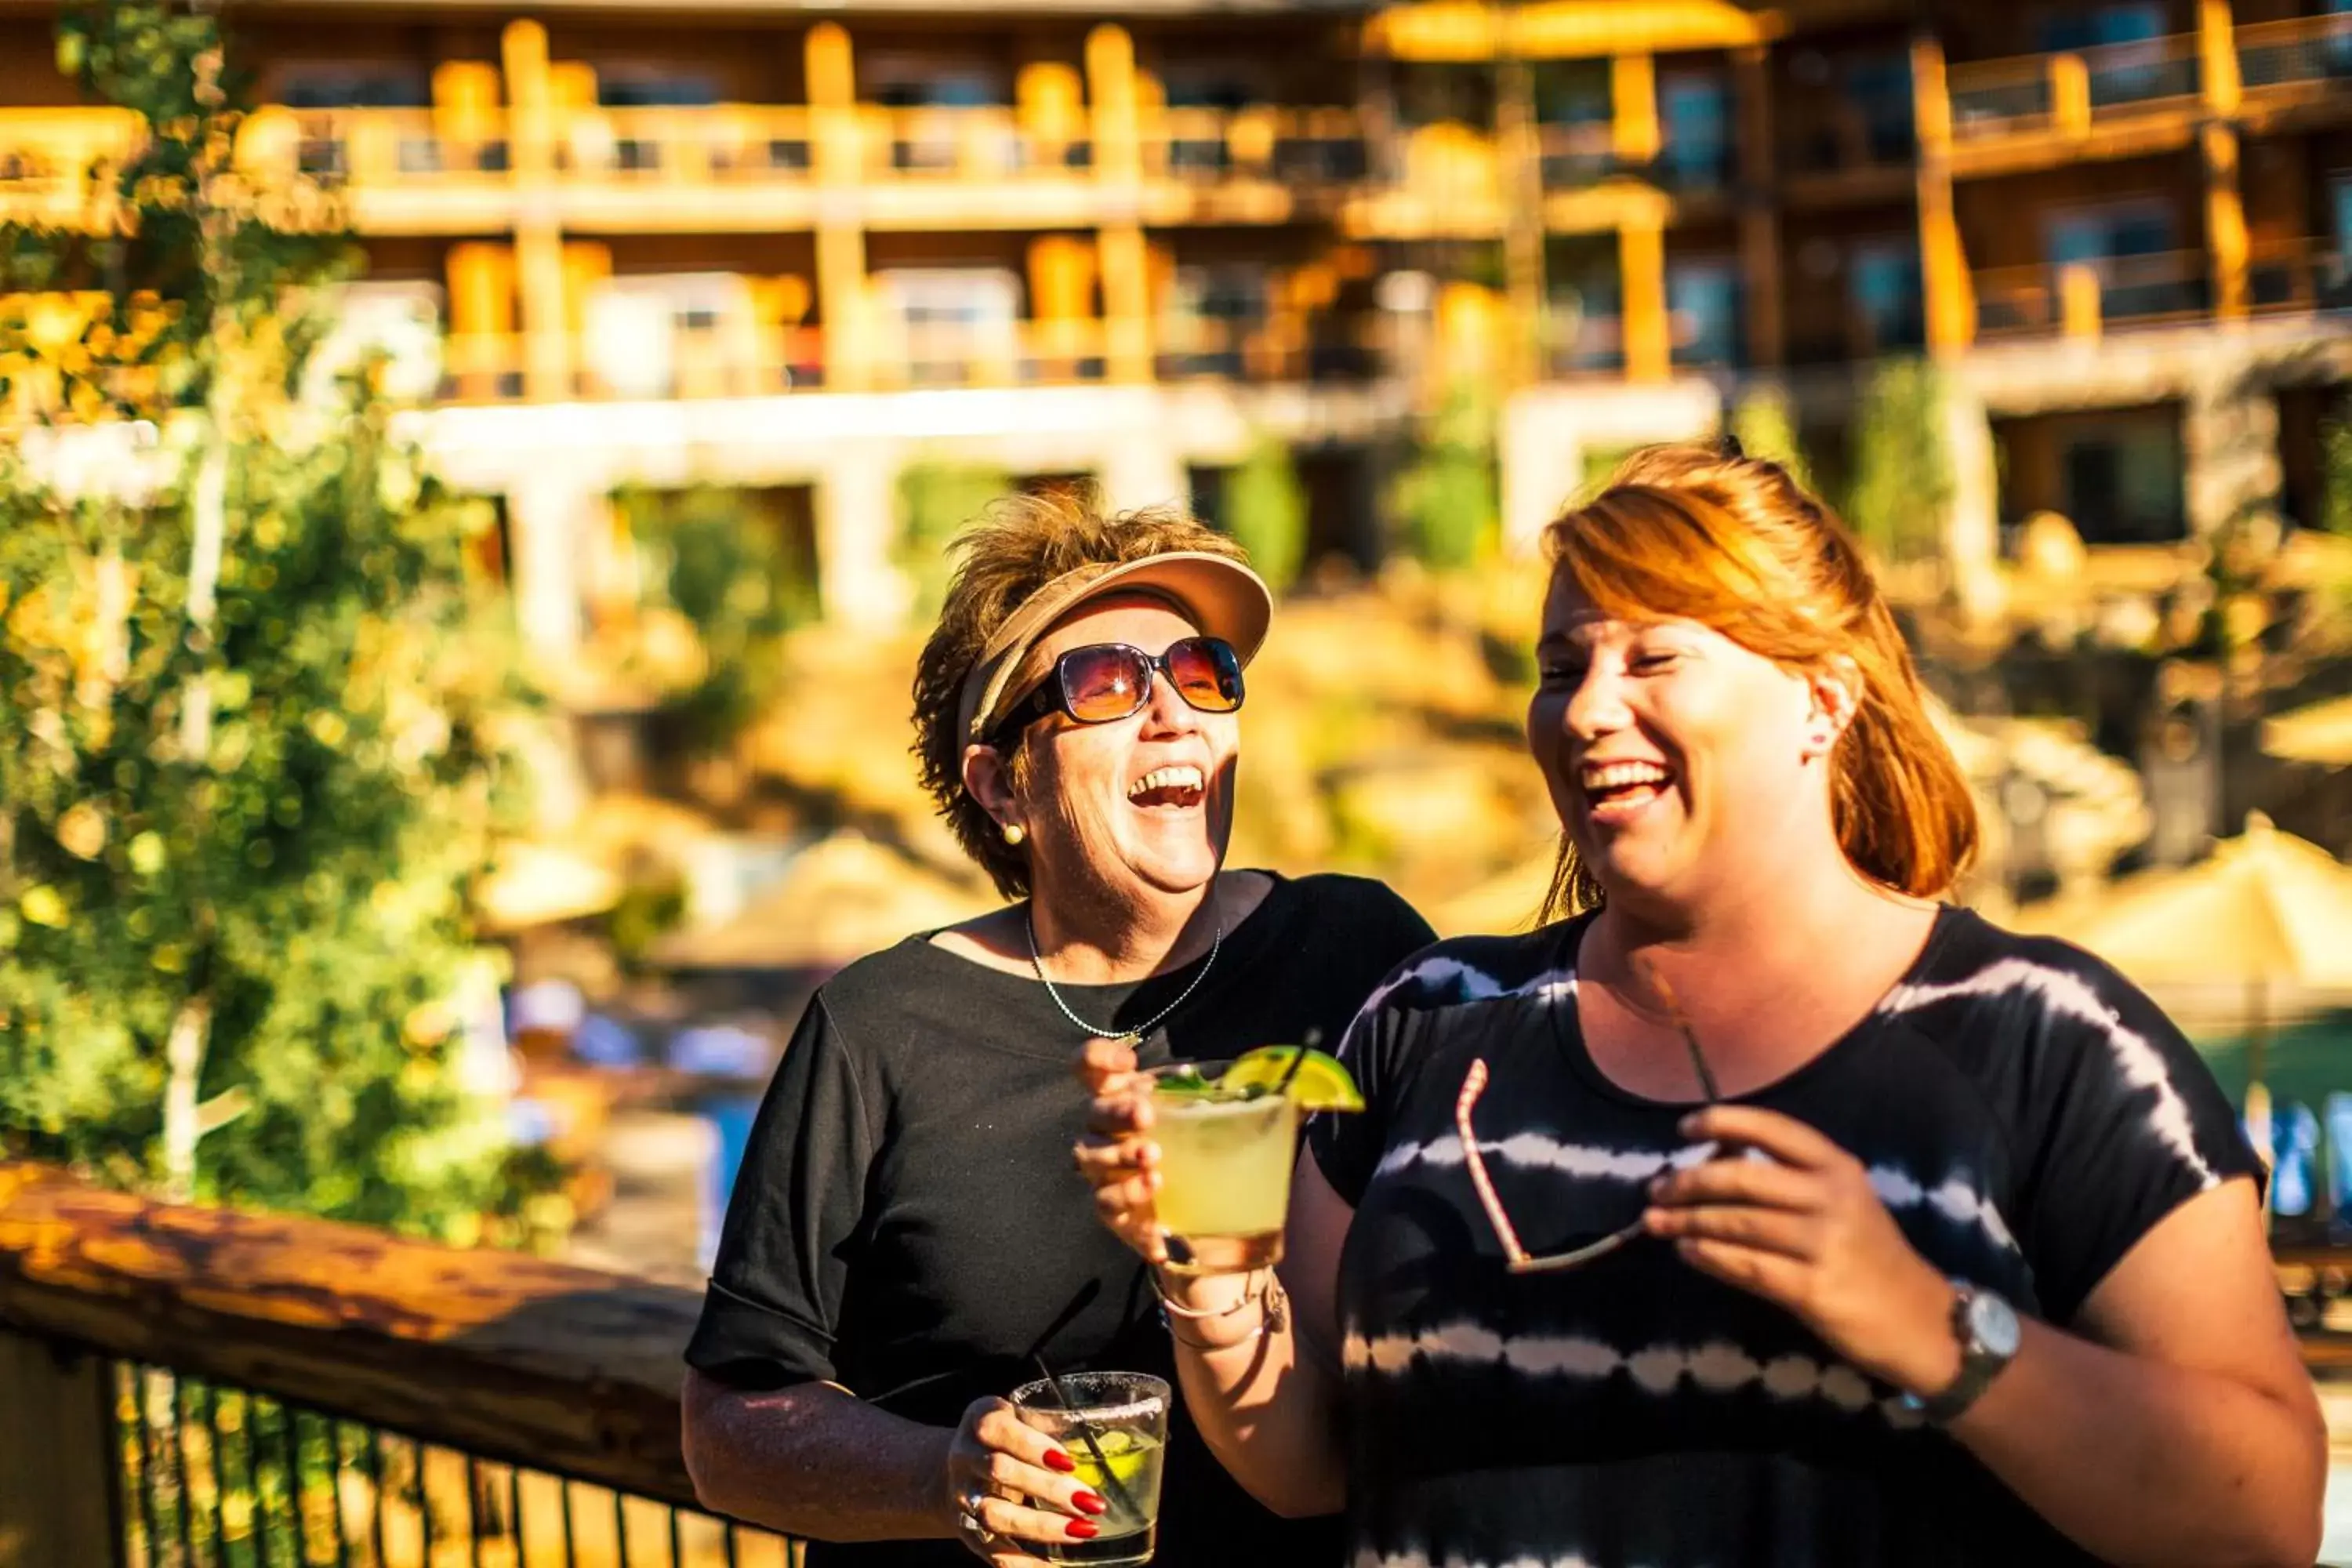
[
  {"x": 1086, "y": 1434},
  {"x": 1297, "y": 1060}
]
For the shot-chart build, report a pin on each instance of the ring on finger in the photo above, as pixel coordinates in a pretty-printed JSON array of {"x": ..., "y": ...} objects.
[{"x": 968, "y": 1516}]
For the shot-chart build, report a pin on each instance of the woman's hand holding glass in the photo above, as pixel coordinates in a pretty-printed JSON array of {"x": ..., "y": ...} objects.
[
  {"x": 1117, "y": 1156},
  {"x": 1003, "y": 1477},
  {"x": 1805, "y": 1229}
]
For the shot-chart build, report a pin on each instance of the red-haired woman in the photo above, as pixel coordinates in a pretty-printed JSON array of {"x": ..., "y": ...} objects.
[{"x": 1768, "y": 1210}]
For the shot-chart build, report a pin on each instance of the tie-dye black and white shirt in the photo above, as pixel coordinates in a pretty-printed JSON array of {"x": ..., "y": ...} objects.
[{"x": 2024, "y": 1113}]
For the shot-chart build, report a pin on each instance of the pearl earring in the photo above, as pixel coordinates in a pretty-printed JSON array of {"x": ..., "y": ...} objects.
[{"x": 1014, "y": 833}]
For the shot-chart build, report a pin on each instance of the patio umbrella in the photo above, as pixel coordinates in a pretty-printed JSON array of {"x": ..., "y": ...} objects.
[
  {"x": 537, "y": 884},
  {"x": 2268, "y": 914},
  {"x": 840, "y": 900},
  {"x": 2317, "y": 732}
]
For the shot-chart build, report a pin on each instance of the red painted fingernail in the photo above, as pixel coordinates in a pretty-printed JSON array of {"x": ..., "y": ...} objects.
[
  {"x": 1082, "y": 1530},
  {"x": 1088, "y": 1503},
  {"x": 1057, "y": 1461}
]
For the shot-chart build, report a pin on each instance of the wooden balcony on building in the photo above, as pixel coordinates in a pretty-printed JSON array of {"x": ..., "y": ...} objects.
[
  {"x": 2083, "y": 300},
  {"x": 47, "y": 157},
  {"x": 2296, "y": 72},
  {"x": 2038, "y": 111},
  {"x": 740, "y": 360},
  {"x": 744, "y": 168}
]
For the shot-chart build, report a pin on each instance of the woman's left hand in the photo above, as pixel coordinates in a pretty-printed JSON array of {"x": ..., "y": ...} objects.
[{"x": 1804, "y": 1230}]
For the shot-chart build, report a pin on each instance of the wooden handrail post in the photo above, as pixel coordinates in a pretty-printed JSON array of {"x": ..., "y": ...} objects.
[{"x": 59, "y": 1475}]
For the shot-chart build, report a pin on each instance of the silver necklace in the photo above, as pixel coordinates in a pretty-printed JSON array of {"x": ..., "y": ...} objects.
[{"x": 1037, "y": 962}]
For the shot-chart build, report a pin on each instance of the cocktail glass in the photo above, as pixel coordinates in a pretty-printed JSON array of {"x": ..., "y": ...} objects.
[
  {"x": 1225, "y": 1156},
  {"x": 1114, "y": 1426}
]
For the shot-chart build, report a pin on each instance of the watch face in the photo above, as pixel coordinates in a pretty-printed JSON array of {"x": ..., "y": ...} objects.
[{"x": 1992, "y": 1324}]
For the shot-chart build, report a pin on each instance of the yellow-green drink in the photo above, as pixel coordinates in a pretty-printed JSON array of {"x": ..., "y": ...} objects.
[
  {"x": 1225, "y": 1170},
  {"x": 1114, "y": 1426}
]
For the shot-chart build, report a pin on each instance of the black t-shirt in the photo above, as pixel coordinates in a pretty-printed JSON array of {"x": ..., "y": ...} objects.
[
  {"x": 906, "y": 1220},
  {"x": 2025, "y": 1114}
]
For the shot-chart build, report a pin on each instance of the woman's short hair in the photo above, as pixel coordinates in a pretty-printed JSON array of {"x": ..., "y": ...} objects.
[
  {"x": 1017, "y": 546},
  {"x": 1736, "y": 544}
]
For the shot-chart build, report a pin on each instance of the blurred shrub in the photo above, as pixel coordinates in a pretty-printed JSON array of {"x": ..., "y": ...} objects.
[
  {"x": 1265, "y": 512},
  {"x": 646, "y": 911},
  {"x": 1765, "y": 426},
  {"x": 936, "y": 499},
  {"x": 1449, "y": 495},
  {"x": 1904, "y": 482},
  {"x": 716, "y": 560},
  {"x": 2335, "y": 477}
]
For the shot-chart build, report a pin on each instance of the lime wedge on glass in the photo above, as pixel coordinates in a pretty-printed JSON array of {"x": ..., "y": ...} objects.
[{"x": 1321, "y": 1084}]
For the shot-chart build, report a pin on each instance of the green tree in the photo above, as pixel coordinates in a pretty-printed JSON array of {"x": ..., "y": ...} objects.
[
  {"x": 1904, "y": 481},
  {"x": 1265, "y": 512},
  {"x": 1449, "y": 496},
  {"x": 1765, "y": 427},
  {"x": 260, "y": 710}
]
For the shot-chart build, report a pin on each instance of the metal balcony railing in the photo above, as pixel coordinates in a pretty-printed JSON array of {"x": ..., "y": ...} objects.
[
  {"x": 986, "y": 142},
  {"x": 1265, "y": 348},
  {"x": 2081, "y": 299},
  {"x": 2298, "y": 275},
  {"x": 1577, "y": 154},
  {"x": 2302, "y": 51},
  {"x": 2068, "y": 92},
  {"x": 191, "y": 1388},
  {"x": 1306, "y": 147},
  {"x": 368, "y": 146},
  {"x": 723, "y": 142}
]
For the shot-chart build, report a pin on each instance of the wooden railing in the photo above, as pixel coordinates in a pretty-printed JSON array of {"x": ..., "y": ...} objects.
[
  {"x": 184, "y": 1387},
  {"x": 2070, "y": 91},
  {"x": 2302, "y": 52}
]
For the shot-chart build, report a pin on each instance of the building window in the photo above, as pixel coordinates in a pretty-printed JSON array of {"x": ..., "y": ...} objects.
[
  {"x": 1694, "y": 120},
  {"x": 1703, "y": 309},
  {"x": 650, "y": 90},
  {"x": 953, "y": 319},
  {"x": 1879, "y": 89},
  {"x": 2121, "y": 482},
  {"x": 352, "y": 87},
  {"x": 1887, "y": 297}
]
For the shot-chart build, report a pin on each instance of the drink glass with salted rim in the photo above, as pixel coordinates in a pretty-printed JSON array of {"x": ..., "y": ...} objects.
[{"x": 1126, "y": 1415}]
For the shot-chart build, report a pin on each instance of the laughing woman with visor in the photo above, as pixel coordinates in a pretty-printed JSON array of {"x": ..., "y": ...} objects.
[
  {"x": 905, "y": 1238},
  {"x": 1771, "y": 1209}
]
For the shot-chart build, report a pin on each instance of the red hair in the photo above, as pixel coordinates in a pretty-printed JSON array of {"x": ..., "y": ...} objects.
[{"x": 1736, "y": 544}]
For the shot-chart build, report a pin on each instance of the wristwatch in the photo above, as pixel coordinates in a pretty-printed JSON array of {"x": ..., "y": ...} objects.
[{"x": 1986, "y": 1328}]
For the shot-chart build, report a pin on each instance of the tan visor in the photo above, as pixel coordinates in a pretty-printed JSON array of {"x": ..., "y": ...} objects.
[{"x": 1219, "y": 594}]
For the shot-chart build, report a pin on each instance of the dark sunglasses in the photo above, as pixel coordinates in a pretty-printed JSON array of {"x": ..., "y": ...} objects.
[{"x": 1104, "y": 682}]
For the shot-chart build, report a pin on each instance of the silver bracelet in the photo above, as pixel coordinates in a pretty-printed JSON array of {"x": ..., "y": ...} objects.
[
  {"x": 1169, "y": 1308},
  {"x": 1274, "y": 1318}
]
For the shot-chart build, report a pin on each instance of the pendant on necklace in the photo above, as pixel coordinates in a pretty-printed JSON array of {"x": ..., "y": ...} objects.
[{"x": 1131, "y": 1040}]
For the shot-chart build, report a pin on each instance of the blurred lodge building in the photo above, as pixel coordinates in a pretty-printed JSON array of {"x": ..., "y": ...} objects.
[{"x": 792, "y": 249}]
